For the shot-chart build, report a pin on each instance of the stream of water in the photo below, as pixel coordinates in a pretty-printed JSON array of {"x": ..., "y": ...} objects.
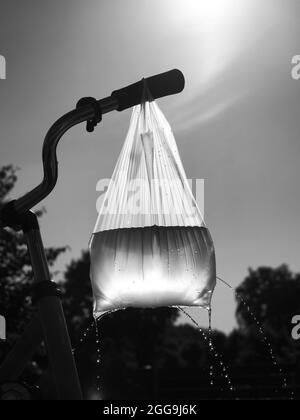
[{"x": 264, "y": 339}]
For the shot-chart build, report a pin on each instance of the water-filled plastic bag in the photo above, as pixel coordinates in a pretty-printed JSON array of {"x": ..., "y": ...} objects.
[{"x": 150, "y": 247}]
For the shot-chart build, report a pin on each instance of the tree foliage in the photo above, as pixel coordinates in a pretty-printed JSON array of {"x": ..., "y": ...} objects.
[
  {"x": 268, "y": 300},
  {"x": 16, "y": 278}
]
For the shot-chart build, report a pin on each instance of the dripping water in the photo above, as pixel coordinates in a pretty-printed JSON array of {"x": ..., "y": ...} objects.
[
  {"x": 263, "y": 336},
  {"x": 83, "y": 337},
  {"x": 98, "y": 354},
  {"x": 93, "y": 326},
  {"x": 210, "y": 337},
  {"x": 212, "y": 350},
  {"x": 97, "y": 319}
]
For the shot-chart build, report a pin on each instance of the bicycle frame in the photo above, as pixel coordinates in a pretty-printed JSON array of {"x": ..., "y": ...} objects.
[{"x": 49, "y": 324}]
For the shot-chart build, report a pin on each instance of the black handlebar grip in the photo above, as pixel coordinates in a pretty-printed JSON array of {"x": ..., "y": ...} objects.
[{"x": 162, "y": 85}]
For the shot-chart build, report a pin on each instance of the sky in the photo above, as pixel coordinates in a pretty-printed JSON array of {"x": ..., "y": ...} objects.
[{"x": 237, "y": 123}]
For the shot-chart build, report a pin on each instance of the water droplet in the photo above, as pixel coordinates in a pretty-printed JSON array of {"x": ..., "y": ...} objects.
[{"x": 211, "y": 349}]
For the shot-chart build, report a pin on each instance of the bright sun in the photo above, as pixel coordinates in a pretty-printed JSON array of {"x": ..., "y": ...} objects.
[
  {"x": 203, "y": 9},
  {"x": 208, "y": 34}
]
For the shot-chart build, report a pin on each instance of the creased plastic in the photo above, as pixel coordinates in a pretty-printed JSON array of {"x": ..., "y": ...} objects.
[{"x": 150, "y": 246}]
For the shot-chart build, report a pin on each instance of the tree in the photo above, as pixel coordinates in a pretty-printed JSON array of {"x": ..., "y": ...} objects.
[
  {"x": 268, "y": 299},
  {"x": 272, "y": 295},
  {"x": 16, "y": 277}
]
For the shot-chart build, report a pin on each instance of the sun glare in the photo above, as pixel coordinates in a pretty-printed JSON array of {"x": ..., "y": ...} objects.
[
  {"x": 209, "y": 32},
  {"x": 203, "y": 9}
]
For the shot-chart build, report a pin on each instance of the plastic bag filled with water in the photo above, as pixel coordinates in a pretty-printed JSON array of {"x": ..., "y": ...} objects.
[{"x": 150, "y": 247}]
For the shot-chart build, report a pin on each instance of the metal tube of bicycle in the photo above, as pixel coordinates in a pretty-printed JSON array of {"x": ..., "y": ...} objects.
[{"x": 51, "y": 325}]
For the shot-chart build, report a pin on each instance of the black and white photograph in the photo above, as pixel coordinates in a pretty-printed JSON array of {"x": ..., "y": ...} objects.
[{"x": 149, "y": 203}]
